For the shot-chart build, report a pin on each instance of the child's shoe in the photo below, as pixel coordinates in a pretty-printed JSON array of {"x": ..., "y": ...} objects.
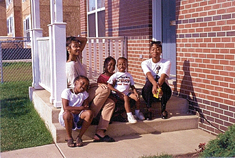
[
  {"x": 131, "y": 119},
  {"x": 140, "y": 116}
]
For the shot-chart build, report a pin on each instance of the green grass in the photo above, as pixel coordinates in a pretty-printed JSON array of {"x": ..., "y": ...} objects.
[
  {"x": 17, "y": 71},
  {"x": 21, "y": 126}
]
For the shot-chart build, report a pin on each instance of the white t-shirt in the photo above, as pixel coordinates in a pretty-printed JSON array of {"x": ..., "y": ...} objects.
[
  {"x": 159, "y": 68},
  {"x": 73, "y": 69},
  {"x": 123, "y": 81},
  {"x": 75, "y": 100}
]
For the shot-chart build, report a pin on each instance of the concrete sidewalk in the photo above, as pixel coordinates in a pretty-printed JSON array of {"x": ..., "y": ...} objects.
[{"x": 133, "y": 146}]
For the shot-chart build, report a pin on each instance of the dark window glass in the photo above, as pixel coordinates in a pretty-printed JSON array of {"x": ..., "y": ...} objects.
[
  {"x": 91, "y": 25},
  {"x": 101, "y": 24}
]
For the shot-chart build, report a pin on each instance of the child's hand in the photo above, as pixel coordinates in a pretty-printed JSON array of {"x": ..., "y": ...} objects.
[
  {"x": 121, "y": 95},
  {"x": 104, "y": 86},
  {"x": 86, "y": 107},
  {"x": 137, "y": 96},
  {"x": 154, "y": 89}
]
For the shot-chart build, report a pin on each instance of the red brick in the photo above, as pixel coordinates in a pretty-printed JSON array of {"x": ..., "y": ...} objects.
[
  {"x": 232, "y": 120},
  {"x": 223, "y": 128},
  {"x": 228, "y": 113},
  {"x": 218, "y": 121},
  {"x": 229, "y": 102},
  {"x": 218, "y": 110}
]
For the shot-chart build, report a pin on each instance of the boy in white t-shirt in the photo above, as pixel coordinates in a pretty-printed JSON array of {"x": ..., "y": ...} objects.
[
  {"x": 75, "y": 109},
  {"x": 120, "y": 83},
  {"x": 157, "y": 71}
]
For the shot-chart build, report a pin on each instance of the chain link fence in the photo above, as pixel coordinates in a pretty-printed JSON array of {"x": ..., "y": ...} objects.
[{"x": 15, "y": 60}]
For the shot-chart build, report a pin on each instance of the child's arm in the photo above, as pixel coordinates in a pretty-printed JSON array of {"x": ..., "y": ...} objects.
[
  {"x": 83, "y": 41},
  {"x": 154, "y": 83},
  {"x": 120, "y": 94},
  {"x": 112, "y": 88},
  {"x": 86, "y": 104},
  {"x": 75, "y": 110}
]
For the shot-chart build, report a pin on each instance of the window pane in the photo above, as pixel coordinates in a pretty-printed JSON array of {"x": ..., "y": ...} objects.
[
  {"x": 91, "y": 25},
  {"x": 101, "y": 24},
  {"x": 27, "y": 24},
  {"x": 8, "y": 26},
  {"x": 28, "y": 35},
  {"x": 91, "y": 5},
  {"x": 100, "y": 3}
]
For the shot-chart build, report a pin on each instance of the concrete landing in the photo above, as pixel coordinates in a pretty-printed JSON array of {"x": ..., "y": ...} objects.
[{"x": 132, "y": 146}]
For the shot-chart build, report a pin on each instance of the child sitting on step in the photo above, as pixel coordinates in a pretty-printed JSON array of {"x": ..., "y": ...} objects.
[
  {"x": 75, "y": 109},
  {"x": 120, "y": 83}
]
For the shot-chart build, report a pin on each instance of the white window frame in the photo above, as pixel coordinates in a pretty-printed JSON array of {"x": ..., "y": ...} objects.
[
  {"x": 10, "y": 25},
  {"x": 27, "y": 30},
  {"x": 8, "y": 2},
  {"x": 96, "y": 17}
]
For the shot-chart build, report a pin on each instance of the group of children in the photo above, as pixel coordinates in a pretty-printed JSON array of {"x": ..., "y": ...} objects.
[
  {"x": 75, "y": 103},
  {"x": 75, "y": 112}
]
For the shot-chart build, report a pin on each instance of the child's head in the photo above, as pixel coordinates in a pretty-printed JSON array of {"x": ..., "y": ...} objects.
[
  {"x": 122, "y": 64},
  {"x": 73, "y": 46},
  {"x": 109, "y": 65},
  {"x": 155, "y": 48},
  {"x": 81, "y": 84}
]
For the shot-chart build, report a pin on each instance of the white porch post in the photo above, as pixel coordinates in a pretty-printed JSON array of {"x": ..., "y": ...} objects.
[
  {"x": 58, "y": 47},
  {"x": 35, "y": 33}
]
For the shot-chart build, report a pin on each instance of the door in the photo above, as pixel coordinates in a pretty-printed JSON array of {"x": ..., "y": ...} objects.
[{"x": 169, "y": 33}]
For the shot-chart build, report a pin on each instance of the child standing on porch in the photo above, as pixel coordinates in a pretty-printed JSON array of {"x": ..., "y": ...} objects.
[
  {"x": 120, "y": 83},
  {"x": 75, "y": 109}
]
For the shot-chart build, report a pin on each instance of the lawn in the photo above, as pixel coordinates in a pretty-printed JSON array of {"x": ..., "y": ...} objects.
[
  {"x": 17, "y": 71},
  {"x": 21, "y": 126}
]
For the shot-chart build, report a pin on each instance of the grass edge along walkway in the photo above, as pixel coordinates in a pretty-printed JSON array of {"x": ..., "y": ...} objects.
[{"x": 21, "y": 125}]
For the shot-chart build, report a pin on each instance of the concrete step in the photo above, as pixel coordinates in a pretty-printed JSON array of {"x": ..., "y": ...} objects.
[
  {"x": 178, "y": 119},
  {"x": 176, "y": 106},
  {"x": 117, "y": 129}
]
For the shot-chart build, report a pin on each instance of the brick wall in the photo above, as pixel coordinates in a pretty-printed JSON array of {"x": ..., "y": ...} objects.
[
  {"x": 83, "y": 18},
  {"x": 138, "y": 51},
  {"x": 71, "y": 15},
  {"x": 133, "y": 20},
  {"x": 205, "y": 59},
  {"x": 3, "y": 20},
  {"x": 26, "y": 10},
  {"x": 128, "y": 18},
  {"x": 18, "y": 18}
]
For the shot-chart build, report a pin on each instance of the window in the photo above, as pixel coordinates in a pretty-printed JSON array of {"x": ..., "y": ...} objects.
[
  {"x": 10, "y": 25},
  {"x": 8, "y": 2},
  {"x": 96, "y": 18},
  {"x": 27, "y": 28}
]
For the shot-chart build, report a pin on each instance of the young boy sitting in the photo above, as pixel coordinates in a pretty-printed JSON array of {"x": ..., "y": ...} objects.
[{"x": 120, "y": 83}]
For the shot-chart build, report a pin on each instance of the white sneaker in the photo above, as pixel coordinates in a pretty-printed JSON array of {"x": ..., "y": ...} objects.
[
  {"x": 140, "y": 116},
  {"x": 131, "y": 119}
]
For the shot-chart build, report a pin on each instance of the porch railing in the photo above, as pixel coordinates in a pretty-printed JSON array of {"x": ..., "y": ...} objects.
[
  {"x": 96, "y": 50},
  {"x": 44, "y": 58}
]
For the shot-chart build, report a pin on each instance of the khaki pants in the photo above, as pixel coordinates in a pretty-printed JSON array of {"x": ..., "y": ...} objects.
[{"x": 100, "y": 101}]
